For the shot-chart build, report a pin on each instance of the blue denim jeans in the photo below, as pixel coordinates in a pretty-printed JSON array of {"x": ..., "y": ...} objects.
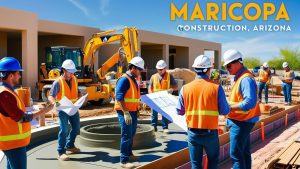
[
  {"x": 207, "y": 139},
  {"x": 16, "y": 158},
  {"x": 240, "y": 152},
  {"x": 287, "y": 91},
  {"x": 164, "y": 122},
  {"x": 261, "y": 86},
  {"x": 127, "y": 135},
  {"x": 63, "y": 142}
]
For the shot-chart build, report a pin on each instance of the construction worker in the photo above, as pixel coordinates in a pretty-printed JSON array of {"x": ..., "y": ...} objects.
[
  {"x": 127, "y": 105},
  {"x": 287, "y": 83},
  {"x": 264, "y": 77},
  {"x": 202, "y": 106},
  {"x": 244, "y": 109},
  {"x": 66, "y": 85},
  {"x": 15, "y": 128},
  {"x": 160, "y": 81}
]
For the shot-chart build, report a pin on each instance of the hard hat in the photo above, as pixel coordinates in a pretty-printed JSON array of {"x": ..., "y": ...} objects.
[
  {"x": 69, "y": 66},
  {"x": 285, "y": 64},
  {"x": 161, "y": 64},
  {"x": 10, "y": 64},
  {"x": 231, "y": 55},
  {"x": 266, "y": 65},
  {"x": 202, "y": 61},
  {"x": 138, "y": 62}
]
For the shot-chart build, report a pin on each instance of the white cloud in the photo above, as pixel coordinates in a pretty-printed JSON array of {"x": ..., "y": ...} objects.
[
  {"x": 104, "y": 7},
  {"x": 81, "y": 7}
]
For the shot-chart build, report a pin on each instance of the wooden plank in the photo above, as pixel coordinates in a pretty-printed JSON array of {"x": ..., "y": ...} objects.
[
  {"x": 297, "y": 162},
  {"x": 288, "y": 155}
]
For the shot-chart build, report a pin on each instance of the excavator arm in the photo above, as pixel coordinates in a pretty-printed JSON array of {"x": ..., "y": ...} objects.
[{"x": 128, "y": 40}]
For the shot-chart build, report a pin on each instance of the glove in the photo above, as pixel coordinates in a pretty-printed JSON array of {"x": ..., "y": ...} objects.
[
  {"x": 127, "y": 117},
  {"x": 57, "y": 104},
  {"x": 170, "y": 91}
]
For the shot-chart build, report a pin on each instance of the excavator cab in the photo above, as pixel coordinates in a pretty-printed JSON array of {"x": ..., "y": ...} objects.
[{"x": 56, "y": 55}]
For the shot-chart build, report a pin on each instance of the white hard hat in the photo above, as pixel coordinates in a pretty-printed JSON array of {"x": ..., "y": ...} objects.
[
  {"x": 231, "y": 55},
  {"x": 202, "y": 61},
  {"x": 285, "y": 64},
  {"x": 69, "y": 66},
  {"x": 138, "y": 62},
  {"x": 161, "y": 64},
  {"x": 266, "y": 65}
]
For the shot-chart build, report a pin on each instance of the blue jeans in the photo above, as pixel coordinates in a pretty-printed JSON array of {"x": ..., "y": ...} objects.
[
  {"x": 127, "y": 135},
  {"x": 240, "y": 152},
  {"x": 209, "y": 140},
  {"x": 261, "y": 86},
  {"x": 164, "y": 122},
  {"x": 63, "y": 142},
  {"x": 287, "y": 89},
  {"x": 16, "y": 158}
]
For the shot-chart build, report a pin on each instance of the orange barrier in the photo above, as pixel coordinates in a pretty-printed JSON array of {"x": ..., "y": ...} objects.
[
  {"x": 24, "y": 94},
  {"x": 262, "y": 131},
  {"x": 205, "y": 162}
]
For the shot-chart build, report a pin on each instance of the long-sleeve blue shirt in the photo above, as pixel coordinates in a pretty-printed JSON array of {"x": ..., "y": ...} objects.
[
  {"x": 223, "y": 106},
  {"x": 123, "y": 85},
  {"x": 248, "y": 91}
]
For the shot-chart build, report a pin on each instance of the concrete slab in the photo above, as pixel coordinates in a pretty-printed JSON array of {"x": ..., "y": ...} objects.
[{"x": 45, "y": 155}]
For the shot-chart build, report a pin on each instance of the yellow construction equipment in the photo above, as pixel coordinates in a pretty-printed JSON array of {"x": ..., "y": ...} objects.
[{"x": 99, "y": 89}]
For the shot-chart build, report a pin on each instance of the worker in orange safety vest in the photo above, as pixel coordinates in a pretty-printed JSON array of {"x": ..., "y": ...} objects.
[
  {"x": 202, "y": 101},
  {"x": 15, "y": 127},
  {"x": 66, "y": 85}
]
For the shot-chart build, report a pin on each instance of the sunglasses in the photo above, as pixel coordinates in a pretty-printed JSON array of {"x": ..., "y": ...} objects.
[{"x": 160, "y": 69}]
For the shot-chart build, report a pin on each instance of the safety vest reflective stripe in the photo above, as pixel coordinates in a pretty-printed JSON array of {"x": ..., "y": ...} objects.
[
  {"x": 160, "y": 86},
  {"x": 15, "y": 136},
  {"x": 203, "y": 112},
  {"x": 132, "y": 100},
  {"x": 263, "y": 76},
  {"x": 71, "y": 93}
]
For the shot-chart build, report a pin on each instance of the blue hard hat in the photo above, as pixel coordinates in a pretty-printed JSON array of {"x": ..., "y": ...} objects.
[{"x": 10, "y": 64}]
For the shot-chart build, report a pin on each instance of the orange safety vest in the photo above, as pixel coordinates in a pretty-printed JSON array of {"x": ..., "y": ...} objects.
[
  {"x": 288, "y": 75},
  {"x": 235, "y": 97},
  {"x": 13, "y": 134},
  {"x": 131, "y": 98},
  {"x": 201, "y": 104},
  {"x": 263, "y": 76},
  {"x": 164, "y": 84},
  {"x": 64, "y": 89}
]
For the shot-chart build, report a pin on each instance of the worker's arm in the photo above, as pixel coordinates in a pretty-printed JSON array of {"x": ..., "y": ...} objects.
[
  {"x": 180, "y": 105},
  {"x": 53, "y": 92},
  {"x": 150, "y": 87},
  {"x": 16, "y": 114},
  {"x": 121, "y": 88},
  {"x": 248, "y": 91},
  {"x": 223, "y": 105},
  {"x": 173, "y": 83}
]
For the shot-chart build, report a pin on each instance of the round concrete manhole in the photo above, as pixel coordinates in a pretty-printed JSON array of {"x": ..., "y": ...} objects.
[{"x": 109, "y": 135}]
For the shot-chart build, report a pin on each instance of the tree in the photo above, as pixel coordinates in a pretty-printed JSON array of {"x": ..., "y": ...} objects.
[
  {"x": 251, "y": 62},
  {"x": 292, "y": 56}
]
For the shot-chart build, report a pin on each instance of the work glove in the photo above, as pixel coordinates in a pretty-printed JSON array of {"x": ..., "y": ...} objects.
[
  {"x": 57, "y": 104},
  {"x": 127, "y": 117},
  {"x": 170, "y": 91}
]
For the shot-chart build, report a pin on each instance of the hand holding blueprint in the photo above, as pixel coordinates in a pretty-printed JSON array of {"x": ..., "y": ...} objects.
[
  {"x": 165, "y": 104},
  {"x": 68, "y": 107}
]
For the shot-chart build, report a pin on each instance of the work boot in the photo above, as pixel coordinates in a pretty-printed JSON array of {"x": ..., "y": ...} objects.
[
  {"x": 127, "y": 165},
  {"x": 133, "y": 158},
  {"x": 166, "y": 131},
  {"x": 289, "y": 103},
  {"x": 63, "y": 157},
  {"x": 155, "y": 129},
  {"x": 285, "y": 103},
  {"x": 74, "y": 150}
]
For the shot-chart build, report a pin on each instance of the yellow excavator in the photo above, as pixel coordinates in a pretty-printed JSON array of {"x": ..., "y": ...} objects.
[{"x": 99, "y": 90}]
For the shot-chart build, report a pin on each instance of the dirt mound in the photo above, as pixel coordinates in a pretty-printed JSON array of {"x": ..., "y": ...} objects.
[{"x": 181, "y": 73}]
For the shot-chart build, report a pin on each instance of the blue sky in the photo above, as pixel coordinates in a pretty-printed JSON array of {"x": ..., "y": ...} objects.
[{"x": 154, "y": 15}]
